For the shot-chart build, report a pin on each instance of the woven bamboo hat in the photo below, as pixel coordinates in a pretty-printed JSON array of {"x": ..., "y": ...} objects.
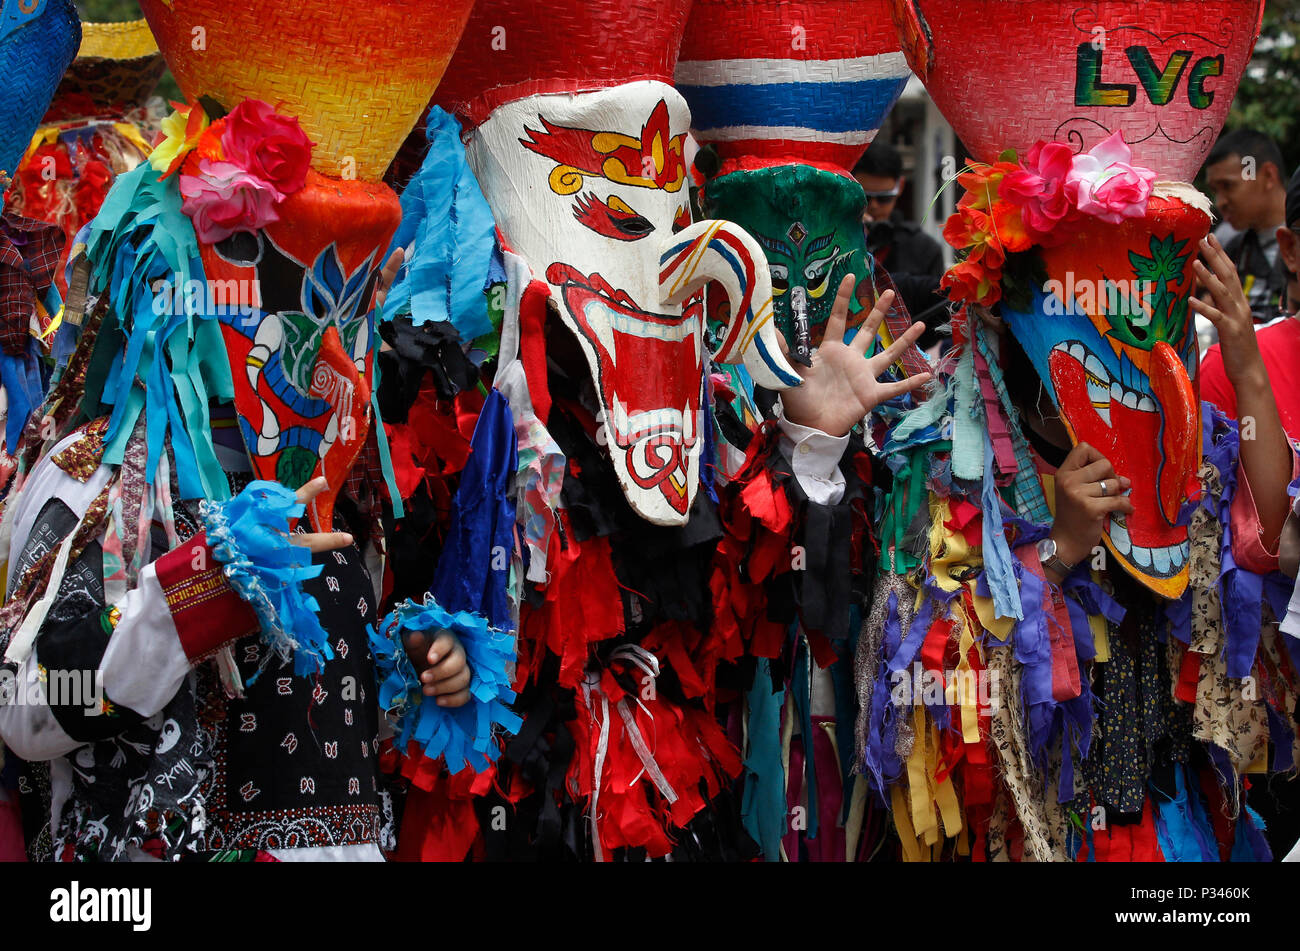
[
  {"x": 118, "y": 64},
  {"x": 518, "y": 48},
  {"x": 1008, "y": 73},
  {"x": 38, "y": 39},
  {"x": 355, "y": 73},
  {"x": 776, "y": 81}
]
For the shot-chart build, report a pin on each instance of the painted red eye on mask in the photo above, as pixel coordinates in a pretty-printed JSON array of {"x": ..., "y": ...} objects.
[{"x": 612, "y": 219}]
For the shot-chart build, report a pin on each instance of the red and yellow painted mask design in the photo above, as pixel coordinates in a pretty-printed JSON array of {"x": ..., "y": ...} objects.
[{"x": 590, "y": 189}]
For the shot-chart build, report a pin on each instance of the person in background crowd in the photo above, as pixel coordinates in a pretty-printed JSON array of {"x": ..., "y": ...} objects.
[
  {"x": 1279, "y": 342},
  {"x": 1245, "y": 173},
  {"x": 1288, "y": 246},
  {"x": 913, "y": 259}
]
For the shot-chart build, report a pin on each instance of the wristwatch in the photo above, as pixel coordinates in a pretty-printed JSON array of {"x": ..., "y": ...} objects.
[{"x": 1047, "y": 555}]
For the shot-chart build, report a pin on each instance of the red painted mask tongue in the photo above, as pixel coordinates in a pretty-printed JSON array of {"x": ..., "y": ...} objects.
[
  {"x": 1181, "y": 437},
  {"x": 335, "y": 380}
]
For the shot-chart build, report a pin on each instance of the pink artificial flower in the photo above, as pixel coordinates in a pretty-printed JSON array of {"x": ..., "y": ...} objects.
[
  {"x": 223, "y": 199},
  {"x": 1104, "y": 184},
  {"x": 268, "y": 145},
  {"x": 1038, "y": 186}
]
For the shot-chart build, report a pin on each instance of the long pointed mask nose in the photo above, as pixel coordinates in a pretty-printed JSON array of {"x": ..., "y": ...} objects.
[
  {"x": 1181, "y": 437},
  {"x": 336, "y": 380}
]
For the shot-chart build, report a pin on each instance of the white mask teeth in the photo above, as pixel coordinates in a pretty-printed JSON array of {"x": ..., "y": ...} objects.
[
  {"x": 606, "y": 320},
  {"x": 603, "y": 330},
  {"x": 1103, "y": 390},
  {"x": 668, "y": 423},
  {"x": 1119, "y": 536}
]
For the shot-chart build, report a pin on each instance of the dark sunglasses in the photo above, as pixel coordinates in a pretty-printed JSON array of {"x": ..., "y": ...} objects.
[{"x": 882, "y": 196}]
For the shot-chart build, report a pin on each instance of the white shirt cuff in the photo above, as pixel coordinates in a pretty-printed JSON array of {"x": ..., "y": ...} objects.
[{"x": 814, "y": 457}]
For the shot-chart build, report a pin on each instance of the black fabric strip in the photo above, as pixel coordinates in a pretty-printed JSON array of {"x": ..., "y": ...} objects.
[{"x": 70, "y": 652}]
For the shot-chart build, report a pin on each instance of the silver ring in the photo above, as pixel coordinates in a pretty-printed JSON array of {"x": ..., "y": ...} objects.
[{"x": 1103, "y": 488}]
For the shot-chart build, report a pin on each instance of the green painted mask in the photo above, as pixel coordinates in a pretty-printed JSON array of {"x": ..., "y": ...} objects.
[{"x": 809, "y": 222}]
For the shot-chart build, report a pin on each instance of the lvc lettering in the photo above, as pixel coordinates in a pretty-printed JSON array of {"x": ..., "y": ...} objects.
[{"x": 1160, "y": 83}]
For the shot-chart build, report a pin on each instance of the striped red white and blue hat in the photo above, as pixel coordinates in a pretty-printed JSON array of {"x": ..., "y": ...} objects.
[{"x": 771, "y": 81}]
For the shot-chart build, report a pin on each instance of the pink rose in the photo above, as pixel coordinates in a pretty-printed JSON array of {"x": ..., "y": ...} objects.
[
  {"x": 270, "y": 146},
  {"x": 1104, "y": 184},
  {"x": 1038, "y": 187},
  {"x": 223, "y": 199}
]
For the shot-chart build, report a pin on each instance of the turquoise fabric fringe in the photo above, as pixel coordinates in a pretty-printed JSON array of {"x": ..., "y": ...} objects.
[
  {"x": 142, "y": 240},
  {"x": 250, "y": 536},
  {"x": 449, "y": 233}
]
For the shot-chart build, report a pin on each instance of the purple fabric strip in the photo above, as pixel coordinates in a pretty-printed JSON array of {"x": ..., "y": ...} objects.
[
  {"x": 1179, "y": 615},
  {"x": 1033, "y": 649},
  {"x": 1241, "y": 593},
  {"x": 1281, "y": 733},
  {"x": 1088, "y": 598},
  {"x": 880, "y": 762}
]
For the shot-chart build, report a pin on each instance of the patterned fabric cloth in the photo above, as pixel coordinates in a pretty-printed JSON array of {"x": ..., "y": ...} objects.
[
  {"x": 292, "y": 764},
  {"x": 29, "y": 256},
  {"x": 1136, "y": 715},
  {"x": 296, "y": 757},
  {"x": 365, "y": 485}
]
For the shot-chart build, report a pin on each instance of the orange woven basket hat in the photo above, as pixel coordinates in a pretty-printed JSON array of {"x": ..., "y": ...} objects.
[
  {"x": 1007, "y": 73},
  {"x": 355, "y": 73}
]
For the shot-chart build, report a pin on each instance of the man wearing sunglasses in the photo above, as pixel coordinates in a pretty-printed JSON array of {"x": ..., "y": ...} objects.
[
  {"x": 1279, "y": 341},
  {"x": 913, "y": 259}
]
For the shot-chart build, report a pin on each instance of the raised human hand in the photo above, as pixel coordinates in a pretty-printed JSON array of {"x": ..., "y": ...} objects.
[
  {"x": 387, "y": 276},
  {"x": 841, "y": 386},
  {"x": 1088, "y": 492},
  {"x": 1230, "y": 313}
]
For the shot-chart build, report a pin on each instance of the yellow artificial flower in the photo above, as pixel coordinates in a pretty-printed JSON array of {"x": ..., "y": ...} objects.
[{"x": 181, "y": 131}]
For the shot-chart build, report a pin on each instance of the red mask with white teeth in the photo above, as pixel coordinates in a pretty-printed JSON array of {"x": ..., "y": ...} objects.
[
  {"x": 591, "y": 190},
  {"x": 1114, "y": 344}
]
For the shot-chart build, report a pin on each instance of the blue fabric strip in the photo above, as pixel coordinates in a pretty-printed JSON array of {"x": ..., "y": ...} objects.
[{"x": 763, "y": 804}]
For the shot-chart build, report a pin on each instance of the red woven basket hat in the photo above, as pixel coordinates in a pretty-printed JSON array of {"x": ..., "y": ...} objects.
[
  {"x": 781, "y": 81},
  {"x": 1008, "y": 73},
  {"x": 517, "y": 48}
]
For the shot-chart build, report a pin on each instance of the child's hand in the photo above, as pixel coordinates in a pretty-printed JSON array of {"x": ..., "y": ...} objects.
[{"x": 444, "y": 671}]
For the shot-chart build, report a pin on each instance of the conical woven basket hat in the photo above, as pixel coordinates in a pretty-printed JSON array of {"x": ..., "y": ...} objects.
[
  {"x": 356, "y": 73},
  {"x": 1008, "y": 73},
  {"x": 518, "y": 48},
  {"x": 130, "y": 40},
  {"x": 790, "y": 80},
  {"x": 37, "y": 43}
]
